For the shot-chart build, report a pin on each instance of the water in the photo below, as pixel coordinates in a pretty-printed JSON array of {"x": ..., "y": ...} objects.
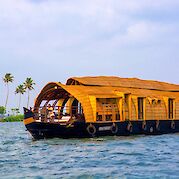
[{"x": 108, "y": 157}]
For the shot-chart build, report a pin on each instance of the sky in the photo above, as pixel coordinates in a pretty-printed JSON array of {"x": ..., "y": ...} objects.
[{"x": 52, "y": 40}]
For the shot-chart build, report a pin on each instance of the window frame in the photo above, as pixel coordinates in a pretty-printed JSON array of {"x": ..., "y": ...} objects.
[
  {"x": 171, "y": 108},
  {"x": 141, "y": 109}
]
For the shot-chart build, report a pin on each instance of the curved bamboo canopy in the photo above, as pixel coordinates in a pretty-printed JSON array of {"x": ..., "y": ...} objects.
[{"x": 87, "y": 89}]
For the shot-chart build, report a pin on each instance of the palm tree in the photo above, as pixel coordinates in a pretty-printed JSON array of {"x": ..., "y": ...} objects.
[
  {"x": 20, "y": 90},
  {"x": 28, "y": 84},
  {"x": 8, "y": 78}
]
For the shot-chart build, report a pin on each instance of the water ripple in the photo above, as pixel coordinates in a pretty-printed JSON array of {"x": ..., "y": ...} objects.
[{"x": 108, "y": 157}]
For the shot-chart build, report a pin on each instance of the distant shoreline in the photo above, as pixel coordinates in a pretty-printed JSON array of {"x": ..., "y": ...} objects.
[{"x": 13, "y": 118}]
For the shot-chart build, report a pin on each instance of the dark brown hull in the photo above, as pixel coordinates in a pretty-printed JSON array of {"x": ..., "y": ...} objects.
[{"x": 41, "y": 130}]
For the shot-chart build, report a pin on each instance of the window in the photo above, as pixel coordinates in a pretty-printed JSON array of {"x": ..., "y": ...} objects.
[
  {"x": 159, "y": 102},
  {"x": 107, "y": 109},
  {"x": 99, "y": 117},
  {"x": 109, "y": 117},
  {"x": 117, "y": 117},
  {"x": 140, "y": 108},
  {"x": 170, "y": 108},
  {"x": 126, "y": 106}
]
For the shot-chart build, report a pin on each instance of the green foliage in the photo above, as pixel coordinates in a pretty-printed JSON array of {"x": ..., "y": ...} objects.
[
  {"x": 8, "y": 78},
  {"x": 15, "y": 111},
  {"x": 20, "y": 89},
  {"x": 28, "y": 84},
  {"x": 13, "y": 118},
  {"x": 2, "y": 110}
]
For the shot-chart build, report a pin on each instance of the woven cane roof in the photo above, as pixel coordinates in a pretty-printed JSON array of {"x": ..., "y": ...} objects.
[{"x": 122, "y": 82}]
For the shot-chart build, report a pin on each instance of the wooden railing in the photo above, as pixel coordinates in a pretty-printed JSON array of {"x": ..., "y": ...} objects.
[{"x": 57, "y": 113}]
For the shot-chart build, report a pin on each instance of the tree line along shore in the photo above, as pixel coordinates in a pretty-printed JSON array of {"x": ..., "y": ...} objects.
[{"x": 14, "y": 113}]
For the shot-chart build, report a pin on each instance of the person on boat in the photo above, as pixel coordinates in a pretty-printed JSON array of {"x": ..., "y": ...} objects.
[
  {"x": 44, "y": 114},
  {"x": 51, "y": 114}
]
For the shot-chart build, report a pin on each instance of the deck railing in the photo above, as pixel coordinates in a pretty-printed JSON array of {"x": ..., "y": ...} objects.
[{"x": 57, "y": 113}]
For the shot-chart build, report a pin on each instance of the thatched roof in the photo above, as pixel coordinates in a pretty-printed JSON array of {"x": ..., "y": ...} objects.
[{"x": 122, "y": 82}]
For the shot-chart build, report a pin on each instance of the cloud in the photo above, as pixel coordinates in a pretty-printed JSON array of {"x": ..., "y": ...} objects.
[
  {"x": 64, "y": 24},
  {"x": 50, "y": 30},
  {"x": 68, "y": 32}
]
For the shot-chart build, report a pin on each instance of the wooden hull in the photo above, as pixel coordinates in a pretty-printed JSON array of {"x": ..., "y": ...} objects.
[{"x": 40, "y": 130}]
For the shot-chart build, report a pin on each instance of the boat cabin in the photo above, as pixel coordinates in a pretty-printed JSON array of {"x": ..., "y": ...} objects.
[{"x": 107, "y": 99}]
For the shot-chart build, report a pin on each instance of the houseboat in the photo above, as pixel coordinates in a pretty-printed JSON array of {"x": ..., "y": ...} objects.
[{"x": 101, "y": 106}]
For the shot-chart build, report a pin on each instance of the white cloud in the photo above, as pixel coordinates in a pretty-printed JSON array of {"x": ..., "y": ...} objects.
[
  {"x": 148, "y": 32},
  {"x": 69, "y": 23},
  {"x": 54, "y": 39}
]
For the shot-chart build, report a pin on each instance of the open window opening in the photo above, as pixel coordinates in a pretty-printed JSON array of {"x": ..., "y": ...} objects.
[
  {"x": 126, "y": 106},
  {"x": 58, "y": 106},
  {"x": 170, "y": 108},
  {"x": 140, "y": 108},
  {"x": 107, "y": 109}
]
